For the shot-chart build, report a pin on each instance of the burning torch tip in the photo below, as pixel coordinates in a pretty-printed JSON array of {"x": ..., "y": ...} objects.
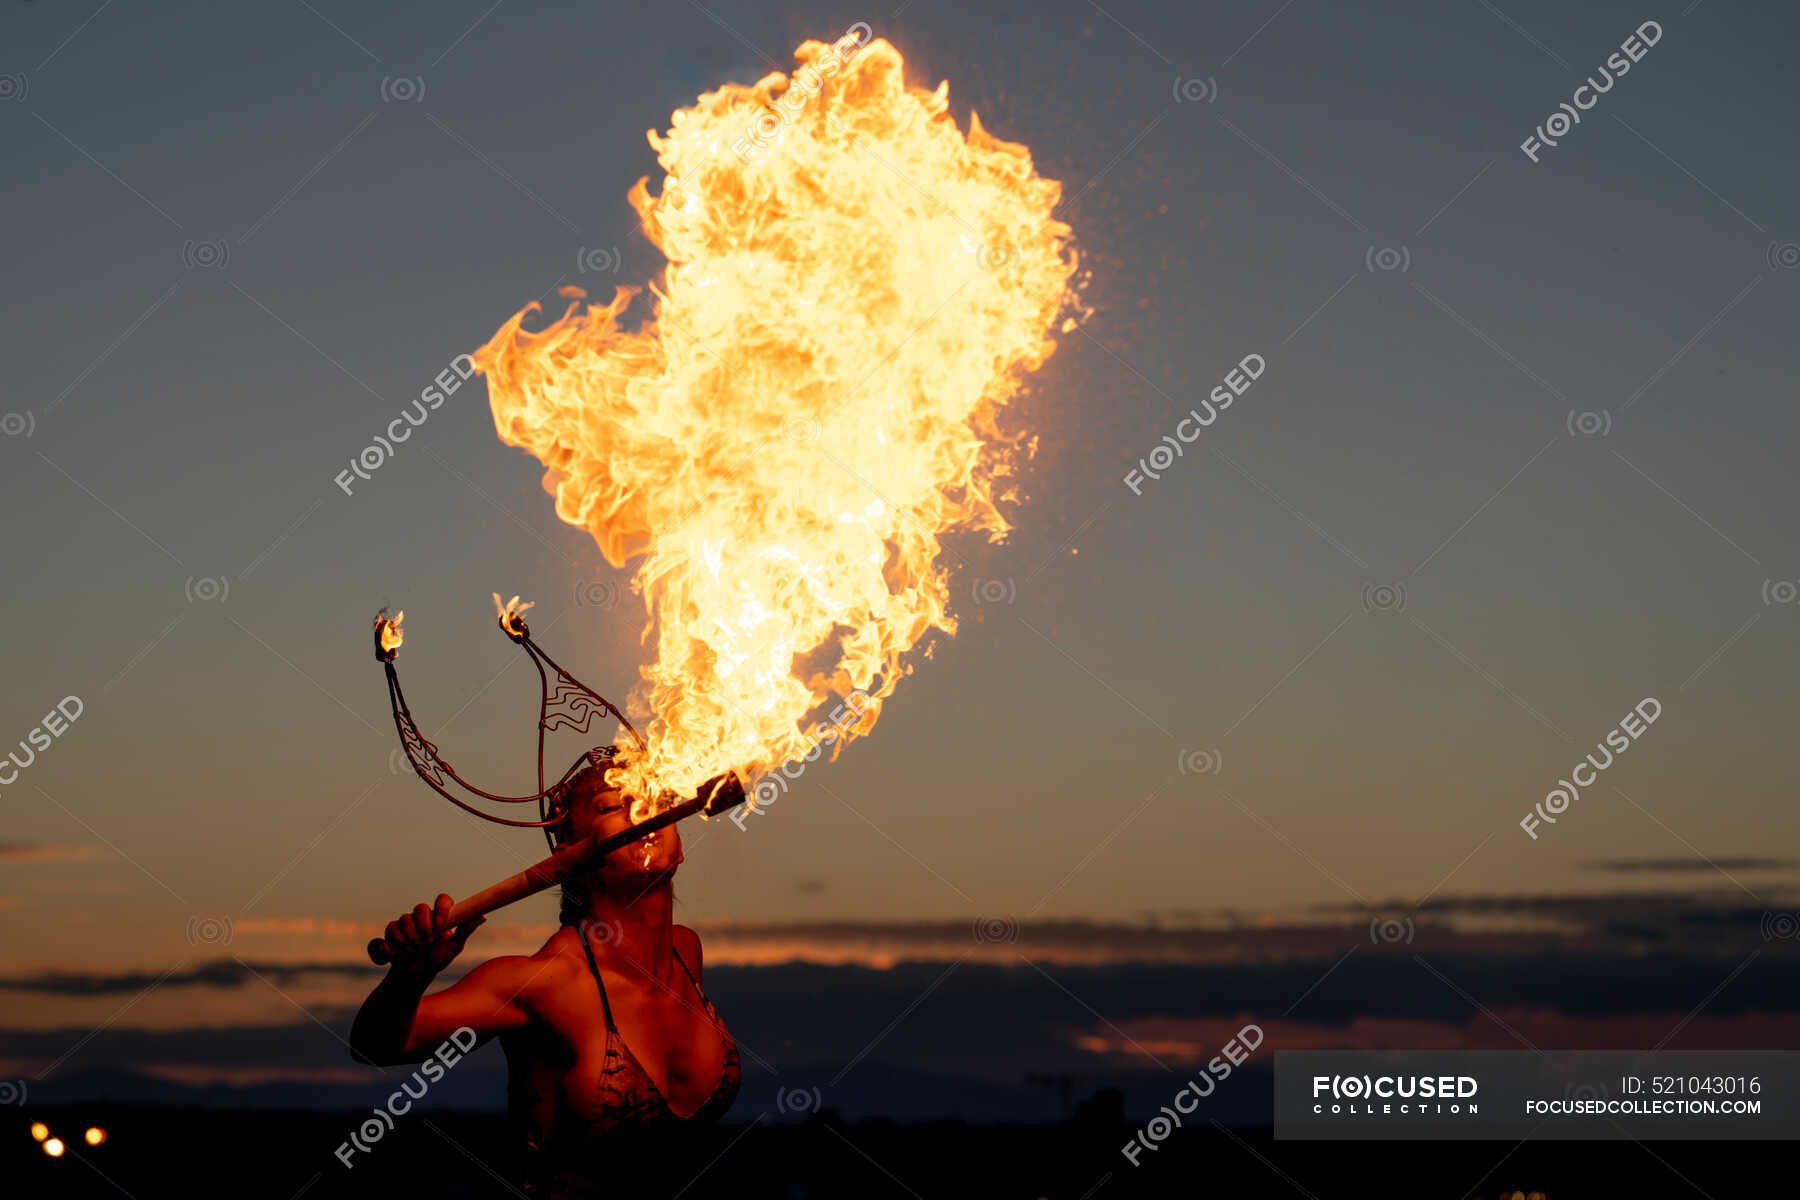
[
  {"x": 727, "y": 792},
  {"x": 388, "y": 635},
  {"x": 511, "y": 619}
]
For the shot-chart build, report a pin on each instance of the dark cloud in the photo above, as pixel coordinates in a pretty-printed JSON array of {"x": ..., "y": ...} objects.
[
  {"x": 219, "y": 973},
  {"x": 1703, "y": 926},
  {"x": 1740, "y": 863},
  {"x": 955, "y": 1018},
  {"x": 910, "y": 1040},
  {"x": 1705, "y": 922}
]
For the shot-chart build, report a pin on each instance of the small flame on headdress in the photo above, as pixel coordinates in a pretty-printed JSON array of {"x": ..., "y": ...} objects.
[
  {"x": 510, "y": 612},
  {"x": 388, "y": 634}
]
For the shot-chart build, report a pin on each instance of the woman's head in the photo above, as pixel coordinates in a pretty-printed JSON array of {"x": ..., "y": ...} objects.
[{"x": 594, "y": 805}]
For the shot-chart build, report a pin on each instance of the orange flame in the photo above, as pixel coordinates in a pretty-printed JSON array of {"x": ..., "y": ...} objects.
[
  {"x": 854, "y": 290},
  {"x": 510, "y": 612},
  {"x": 388, "y": 634}
]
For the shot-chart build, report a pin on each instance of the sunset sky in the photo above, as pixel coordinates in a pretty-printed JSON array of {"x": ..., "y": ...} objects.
[{"x": 1252, "y": 740}]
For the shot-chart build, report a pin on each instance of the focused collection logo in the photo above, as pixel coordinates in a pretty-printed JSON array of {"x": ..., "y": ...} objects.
[{"x": 1394, "y": 1095}]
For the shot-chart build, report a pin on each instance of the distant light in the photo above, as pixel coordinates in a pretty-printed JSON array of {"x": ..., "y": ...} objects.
[
  {"x": 94, "y": 1136},
  {"x": 39, "y": 1131},
  {"x": 54, "y": 1147}
]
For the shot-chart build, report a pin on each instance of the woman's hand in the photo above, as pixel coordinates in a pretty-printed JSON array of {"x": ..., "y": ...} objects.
[
  {"x": 423, "y": 942},
  {"x": 399, "y": 1023}
]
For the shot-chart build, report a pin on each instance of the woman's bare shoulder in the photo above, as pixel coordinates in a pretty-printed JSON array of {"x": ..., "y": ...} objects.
[{"x": 523, "y": 974}]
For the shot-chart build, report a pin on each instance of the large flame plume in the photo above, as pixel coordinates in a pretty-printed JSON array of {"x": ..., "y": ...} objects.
[{"x": 855, "y": 288}]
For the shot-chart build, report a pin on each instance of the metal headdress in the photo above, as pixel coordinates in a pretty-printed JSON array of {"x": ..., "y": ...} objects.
[{"x": 565, "y": 703}]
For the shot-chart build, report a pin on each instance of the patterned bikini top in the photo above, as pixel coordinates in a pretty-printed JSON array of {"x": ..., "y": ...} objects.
[{"x": 627, "y": 1093}]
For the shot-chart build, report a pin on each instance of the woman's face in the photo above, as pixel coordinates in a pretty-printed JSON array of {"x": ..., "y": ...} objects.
[{"x": 601, "y": 809}]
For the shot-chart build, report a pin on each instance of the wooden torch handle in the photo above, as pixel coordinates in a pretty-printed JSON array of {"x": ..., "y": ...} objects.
[{"x": 715, "y": 796}]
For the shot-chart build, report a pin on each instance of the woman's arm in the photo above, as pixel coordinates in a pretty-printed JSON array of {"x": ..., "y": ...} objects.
[{"x": 399, "y": 1023}]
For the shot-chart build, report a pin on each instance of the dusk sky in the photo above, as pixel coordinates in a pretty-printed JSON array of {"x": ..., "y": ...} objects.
[{"x": 1520, "y": 459}]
